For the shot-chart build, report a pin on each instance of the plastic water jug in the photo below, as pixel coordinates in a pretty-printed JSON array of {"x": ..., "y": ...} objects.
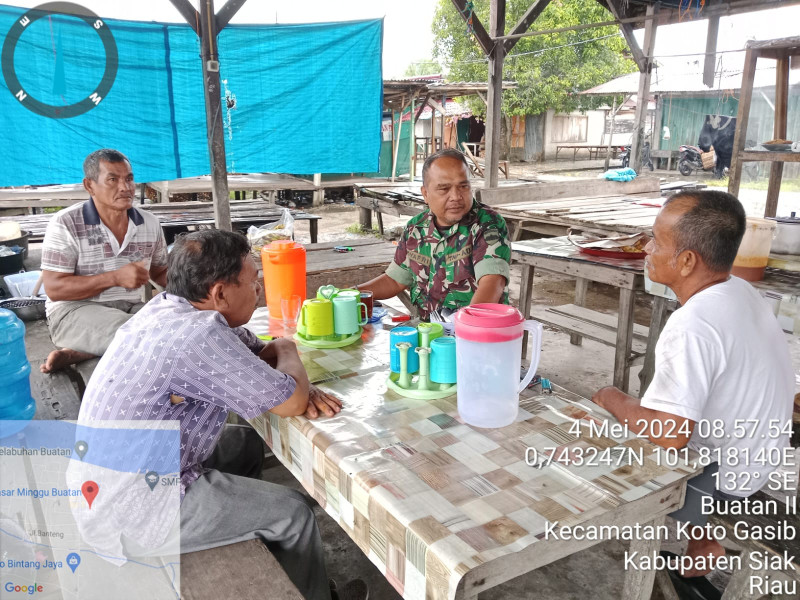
[
  {"x": 16, "y": 402},
  {"x": 488, "y": 361},
  {"x": 284, "y": 264}
]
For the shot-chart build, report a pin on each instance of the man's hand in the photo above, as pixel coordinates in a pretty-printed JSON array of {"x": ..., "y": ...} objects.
[
  {"x": 603, "y": 394},
  {"x": 321, "y": 401},
  {"x": 131, "y": 276}
]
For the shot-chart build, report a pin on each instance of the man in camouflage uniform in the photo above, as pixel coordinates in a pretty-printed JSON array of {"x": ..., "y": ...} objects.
[{"x": 454, "y": 253}]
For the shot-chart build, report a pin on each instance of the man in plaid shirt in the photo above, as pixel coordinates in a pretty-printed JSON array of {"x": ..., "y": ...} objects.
[{"x": 97, "y": 255}]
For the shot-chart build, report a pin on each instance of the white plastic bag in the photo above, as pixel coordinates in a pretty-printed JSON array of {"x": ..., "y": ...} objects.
[{"x": 282, "y": 229}]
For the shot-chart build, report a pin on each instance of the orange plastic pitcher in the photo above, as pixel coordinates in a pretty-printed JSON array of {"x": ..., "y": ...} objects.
[{"x": 284, "y": 264}]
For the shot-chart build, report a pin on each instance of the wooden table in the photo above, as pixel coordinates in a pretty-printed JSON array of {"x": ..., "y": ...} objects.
[
  {"x": 324, "y": 266},
  {"x": 177, "y": 216},
  {"x": 445, "y": 510},
  {"x": 594, "y": 150},
  {"x": 633, "y": 343}
]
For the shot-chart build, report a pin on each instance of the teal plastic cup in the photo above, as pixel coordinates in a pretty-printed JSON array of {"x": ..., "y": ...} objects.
[
  {"x": 404, "y": 334},
  {"x": 443, "y": 360}
]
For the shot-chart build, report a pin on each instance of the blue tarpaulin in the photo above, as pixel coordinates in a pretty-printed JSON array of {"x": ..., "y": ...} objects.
[{"x": 295, "y": 98}]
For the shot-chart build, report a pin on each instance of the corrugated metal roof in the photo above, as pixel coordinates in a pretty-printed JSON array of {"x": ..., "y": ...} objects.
[{"x": 671, "y": 80}]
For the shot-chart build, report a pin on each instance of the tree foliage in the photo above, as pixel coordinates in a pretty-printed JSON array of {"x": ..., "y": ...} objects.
[{"x": 549, "y": 69}]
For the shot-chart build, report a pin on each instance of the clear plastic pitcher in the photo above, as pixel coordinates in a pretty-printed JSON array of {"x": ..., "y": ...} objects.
[{"x": 488, "y": 361}]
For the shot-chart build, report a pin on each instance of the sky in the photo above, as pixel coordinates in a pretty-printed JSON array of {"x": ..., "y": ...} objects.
[{"x": 407, "y": 24}]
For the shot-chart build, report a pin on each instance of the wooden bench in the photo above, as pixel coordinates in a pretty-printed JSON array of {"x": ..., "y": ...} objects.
[
  {"x": 594, "y": 150},
  {"x": 581, "y": 322},
  {"x": 244, "y": 570}
]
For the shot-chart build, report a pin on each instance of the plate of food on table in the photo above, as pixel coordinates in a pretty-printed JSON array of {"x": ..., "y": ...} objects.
[{"x": 623, "y": 246}]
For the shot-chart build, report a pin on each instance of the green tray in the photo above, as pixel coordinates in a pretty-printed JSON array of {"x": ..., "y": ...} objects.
[
  {"x": 440, "y": 390},
  {"x": 323, "y": 344}
]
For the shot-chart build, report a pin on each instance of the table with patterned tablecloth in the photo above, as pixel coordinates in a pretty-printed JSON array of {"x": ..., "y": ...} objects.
[{"x": 446, "y": 510}]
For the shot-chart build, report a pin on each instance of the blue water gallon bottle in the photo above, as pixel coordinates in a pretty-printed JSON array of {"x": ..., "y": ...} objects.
[{"x": 16, "y": 402}]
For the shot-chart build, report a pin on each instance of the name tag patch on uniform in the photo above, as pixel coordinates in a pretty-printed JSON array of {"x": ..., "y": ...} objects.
[
  {"x": 463, "y": 253},
  {"x": 419, "y": 258}
]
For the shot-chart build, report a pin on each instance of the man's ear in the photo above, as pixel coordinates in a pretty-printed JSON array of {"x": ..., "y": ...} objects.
[
  {"x": 424, "y": 194},
  {"x": 687, "y": 262},
  {"x": 87, "y": 185},
  {"x": 217, "y": 296}
]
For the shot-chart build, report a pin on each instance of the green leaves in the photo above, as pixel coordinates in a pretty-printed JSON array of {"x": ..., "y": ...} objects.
[{"x": 549, "y": 69}]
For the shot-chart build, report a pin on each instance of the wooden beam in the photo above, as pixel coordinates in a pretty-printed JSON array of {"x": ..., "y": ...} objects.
[
  {"x": 495, "y": 94},
  {"x": 436, "y": 106},
  {"x": 412, "y": 157},
  {"x": 711, "y": 52},
  {"x": 422, "y": 107},
  {"x": 483, "y": 38},
  {"x": 743, "y": 116},
  {"x": 525, "y": 22},
  {"x": 214, "y": 126},
  {"x": 227, "y": 12},
  {"x": 643, "y": 94},
  {"x": 482, "y": 97},
  {"x": 189, "y": 13},
  {"x": 617, "y": 9},
  {"x": 779, "y": 131}
]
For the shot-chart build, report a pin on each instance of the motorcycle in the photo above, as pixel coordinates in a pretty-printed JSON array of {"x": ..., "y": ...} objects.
[
  {"x": 625, "y": 156},
  {"x": 689, "y": 160}
]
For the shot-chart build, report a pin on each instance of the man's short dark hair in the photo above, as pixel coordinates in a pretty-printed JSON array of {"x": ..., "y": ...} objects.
[
  {"x": 446, "y": 153},
  {"x": 713, "y": 227},
  {"x": 202, "y": 258},
  {"x": 91, "y": 164}
]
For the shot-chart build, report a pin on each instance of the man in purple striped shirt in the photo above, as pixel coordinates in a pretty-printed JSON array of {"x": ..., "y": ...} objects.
[{"x": 185, "y": 357}]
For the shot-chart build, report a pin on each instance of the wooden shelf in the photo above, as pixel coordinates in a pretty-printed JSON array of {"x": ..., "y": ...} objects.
[{"x": 767, "y": 156}]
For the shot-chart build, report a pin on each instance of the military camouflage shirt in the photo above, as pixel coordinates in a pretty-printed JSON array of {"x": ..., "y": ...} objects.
[{"x": 442, "y": 269}]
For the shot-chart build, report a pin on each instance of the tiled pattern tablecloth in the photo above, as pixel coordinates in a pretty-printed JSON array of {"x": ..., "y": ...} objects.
[{"x": 427, "y": 497}]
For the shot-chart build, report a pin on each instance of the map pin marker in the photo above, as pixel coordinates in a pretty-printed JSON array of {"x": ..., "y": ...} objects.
[
  {"x": 89, "y": 489},
  {"x": 81, "y": 448},
  {"x": 151, "y": 478},
  {"x": 73, "y": 560}
]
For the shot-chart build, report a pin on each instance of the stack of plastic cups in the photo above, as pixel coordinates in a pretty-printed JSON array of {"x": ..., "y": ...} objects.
[
  {"x": 443, "y": 360},
  {"x": 16, "y": 403},
  {"x": 404, "y": 334}
]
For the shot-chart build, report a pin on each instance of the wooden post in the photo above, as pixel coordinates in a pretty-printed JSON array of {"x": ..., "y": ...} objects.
[
  {"x": 711, "y": 51},
  {"x": 444, "y": 113},
  {"x": 611, "y": 132},
  {"x": 393, "y": 150},
  {"x": 318, "y": 198},
  {"x": 497, "y": 27},
  {"x": 412, "y": 157},
  {"x": 214, "y": 127},
  {"x": 396, "y": 141},
  {"x": 743, "y": 116},
  {"x": 643, "y": 92},
  {"x": 433, "y": 129},
  {"x": 779, "y": 131}
]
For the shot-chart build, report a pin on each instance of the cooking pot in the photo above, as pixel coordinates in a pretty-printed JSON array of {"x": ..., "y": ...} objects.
[{"x": 787, "y": 236}]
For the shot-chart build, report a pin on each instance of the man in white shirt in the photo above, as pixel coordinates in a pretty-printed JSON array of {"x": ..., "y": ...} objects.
[
  {"x": 723, "y": 374},
  {"x": 96, "y": 257}
]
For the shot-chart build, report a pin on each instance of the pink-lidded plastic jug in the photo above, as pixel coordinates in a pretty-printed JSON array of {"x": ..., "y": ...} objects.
[{"x": 488, "y": 361}]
